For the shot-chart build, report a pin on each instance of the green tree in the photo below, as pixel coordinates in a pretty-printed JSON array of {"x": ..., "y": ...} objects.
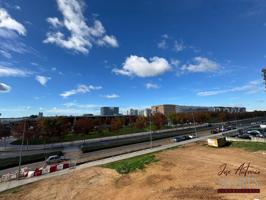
[{"x": 173, "y": 118}]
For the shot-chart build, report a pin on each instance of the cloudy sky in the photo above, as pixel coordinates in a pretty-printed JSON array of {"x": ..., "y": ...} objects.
[{"x": 73, "y": 56}]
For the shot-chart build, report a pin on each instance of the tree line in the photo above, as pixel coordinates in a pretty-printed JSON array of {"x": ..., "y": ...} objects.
[{"x": 55, "y": 128}]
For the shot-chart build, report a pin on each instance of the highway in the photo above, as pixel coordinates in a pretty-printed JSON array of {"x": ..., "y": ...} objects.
[
  {"x": 77, "y": 156},
  {"x": 133, "y": 143}
]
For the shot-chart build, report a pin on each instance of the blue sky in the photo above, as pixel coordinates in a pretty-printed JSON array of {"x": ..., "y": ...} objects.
[{"x": 71, "y": 56}]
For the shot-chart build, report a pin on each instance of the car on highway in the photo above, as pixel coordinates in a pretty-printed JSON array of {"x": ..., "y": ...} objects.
[
  {"x": 244, "y": 136},
  {"x": 192, "y": 136},
  {"x": 181, "y": 138},
  {"x": 215, "y": 131},
  {"x": 55, "y": 159}
]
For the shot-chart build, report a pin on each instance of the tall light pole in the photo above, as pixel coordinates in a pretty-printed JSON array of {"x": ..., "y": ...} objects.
[
  {"x": 236, "y": 120},
  {"x": 21, "y": 148},
  {"x": 195, "y": 130},
  {"x": 150, "y": 133}
]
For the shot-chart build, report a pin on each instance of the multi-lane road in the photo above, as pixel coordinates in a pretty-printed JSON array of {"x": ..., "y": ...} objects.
[
  {"x": 124, "y": 144},
  {"x": 77, "y": 156}
]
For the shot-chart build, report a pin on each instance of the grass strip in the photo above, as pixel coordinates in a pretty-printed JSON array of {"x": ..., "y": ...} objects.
[
  {"x": 250, "y": 146},
  {"x": 132, "y": 164}
]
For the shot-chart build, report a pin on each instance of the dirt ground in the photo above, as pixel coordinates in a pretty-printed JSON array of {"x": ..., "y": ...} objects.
[{"x": 189, "y": 172}]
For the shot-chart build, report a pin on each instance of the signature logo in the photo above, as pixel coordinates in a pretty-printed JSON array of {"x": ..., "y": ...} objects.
[{"x": 241, "y": 179}]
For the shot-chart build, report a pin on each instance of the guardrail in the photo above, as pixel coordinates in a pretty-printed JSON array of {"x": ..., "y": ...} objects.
[{"x": 26, "y": 173}]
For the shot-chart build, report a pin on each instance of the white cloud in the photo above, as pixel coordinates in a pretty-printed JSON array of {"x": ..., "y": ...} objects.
[
  {"x": 201, "y": 64},
  {"x": 81, "y": 89},
  {"x": 42, "y": 79},
  {"x": 151, "y": 86},
  {"x": 34, "y": 64},
  {"x": 4, "y": 88},
  {"x": 110, "y": 40},
  {"x": 82, "y": 37},
  {"x": 10, "y": 29},
  {"x": 15, "y": 72},
  {"x": 162, "y": 44},
  {"x": 54, "y": 21},
  {"x": 111, "y": 96},
  {"x": 5, "y": 53},
  {"x": 12, "y": 45},
  {"x": 77, "y": 105},
  {"x": 165, "y": 36},
  {"x": 179, "y": 46},
  {"x": 140, "y": 66},
  {"x": 73, "y": 108},
  {"x": 249, "y": 88},
  {"x": 17, "y": 7},
  {"x": 175, "y": 62},
  {"x": 7, "y": 22},
  {"x": 7, "y": 34}
]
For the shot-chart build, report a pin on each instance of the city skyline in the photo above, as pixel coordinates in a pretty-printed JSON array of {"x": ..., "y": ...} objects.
[{"x": 69, "y": 57}]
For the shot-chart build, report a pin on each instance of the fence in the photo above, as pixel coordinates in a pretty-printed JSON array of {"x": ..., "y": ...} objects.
[{"x": 26, "y": 173}]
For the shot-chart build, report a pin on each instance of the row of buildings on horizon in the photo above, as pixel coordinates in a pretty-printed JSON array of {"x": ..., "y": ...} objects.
[{"x": 165, "y": 109}]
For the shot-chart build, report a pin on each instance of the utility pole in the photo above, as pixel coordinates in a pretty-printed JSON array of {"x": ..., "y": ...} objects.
[
  {"x": 150, "y": 133},
  {"x": 236, "y": 120},
  {"x": 195, "y": 130},
  {"x": 21, "y": 148}
]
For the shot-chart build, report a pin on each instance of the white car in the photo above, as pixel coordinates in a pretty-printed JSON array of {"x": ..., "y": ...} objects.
[
  {"x": 192, "y": 136},
  {"x": 54, "y": 159}
]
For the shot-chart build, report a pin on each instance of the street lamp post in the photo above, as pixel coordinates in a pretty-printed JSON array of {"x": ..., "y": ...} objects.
[
  {"x": 150, "y": 134},
  {"x": 236, "y": 120},
  {"x": 21, "y": 148},
  {"x": 196, "y": 134}
]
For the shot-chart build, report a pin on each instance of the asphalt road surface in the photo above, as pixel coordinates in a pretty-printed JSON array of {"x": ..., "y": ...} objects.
[{"x": 77, "y": 156}]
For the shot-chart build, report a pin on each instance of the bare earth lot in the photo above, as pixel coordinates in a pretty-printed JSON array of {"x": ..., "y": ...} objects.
[{"x": 189, "y": 172}]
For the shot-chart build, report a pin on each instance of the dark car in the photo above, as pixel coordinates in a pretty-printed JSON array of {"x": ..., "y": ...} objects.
[
  {"x": 215, "y": 131},
  {"x": 244, "y": 136},
  {"x": 181, "y": 138}
]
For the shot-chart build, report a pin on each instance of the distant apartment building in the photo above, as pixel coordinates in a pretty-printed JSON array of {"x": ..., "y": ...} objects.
[
  {"x": 145, "y": 112},
  {"x": 139, "y": 112},
  {"x": 109, "y": 111},
  {"x": 40, "y": 115},
  {"x": 133, "y": 112},
  {"x": 165, "y": 109},
  {"x": 183, "y": 109},
  {"x": 228, "y": 109}
]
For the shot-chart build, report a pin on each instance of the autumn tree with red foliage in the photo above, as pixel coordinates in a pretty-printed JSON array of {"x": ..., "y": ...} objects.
[
  {"x": 84, "y": 125},
  {"x": 116, "y": 124},
  {"x": 158, "y": 120},
  {"x": 140, "y": 122},
  {"x": 53, "y": 128}
]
